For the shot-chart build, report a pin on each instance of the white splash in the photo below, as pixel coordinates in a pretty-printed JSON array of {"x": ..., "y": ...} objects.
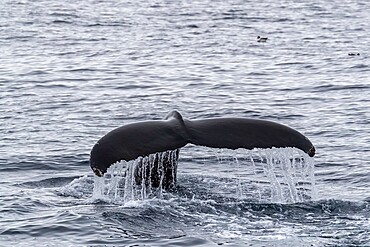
[
  {"x": 290, "y": 173},
  {"x": 278, "y": 175},
  {"x": 131, "y": 181}
]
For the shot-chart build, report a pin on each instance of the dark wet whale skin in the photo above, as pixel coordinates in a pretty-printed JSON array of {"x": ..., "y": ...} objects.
[{"x": 143, "y": 138}]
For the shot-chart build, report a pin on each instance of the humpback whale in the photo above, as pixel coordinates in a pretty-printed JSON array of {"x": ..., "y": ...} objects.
[{"x": 142, "y": 139}]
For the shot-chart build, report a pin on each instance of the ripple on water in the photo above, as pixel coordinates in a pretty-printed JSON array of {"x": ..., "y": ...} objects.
[{"x": 71, "y": 71}]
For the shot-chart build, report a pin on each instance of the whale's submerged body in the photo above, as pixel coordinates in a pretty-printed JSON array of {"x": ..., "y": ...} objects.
[{"x": 167, "y": 136}]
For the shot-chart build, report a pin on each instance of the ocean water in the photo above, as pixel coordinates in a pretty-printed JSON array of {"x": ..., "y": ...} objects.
[{"x": 71, "y": 71}]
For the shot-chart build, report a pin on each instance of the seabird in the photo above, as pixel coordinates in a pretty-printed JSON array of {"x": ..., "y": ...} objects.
[
  {"x": 261, "y": 39},
  {"x": 354, "y": 54}
]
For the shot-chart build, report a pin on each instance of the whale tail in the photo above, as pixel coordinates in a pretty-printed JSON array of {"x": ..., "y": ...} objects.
[
  {"x": 234, "y": 133},
  {"x": 144, "y": 138}
]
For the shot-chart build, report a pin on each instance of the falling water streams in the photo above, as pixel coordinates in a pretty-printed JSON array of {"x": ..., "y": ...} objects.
[{"x": 286, "y": 173}]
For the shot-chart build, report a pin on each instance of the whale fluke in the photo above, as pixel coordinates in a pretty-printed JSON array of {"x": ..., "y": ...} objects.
[{"x": 144, "y": 138}]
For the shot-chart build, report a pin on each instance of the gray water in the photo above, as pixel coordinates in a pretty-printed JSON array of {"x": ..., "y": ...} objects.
[{"x": 72, "y": 71}]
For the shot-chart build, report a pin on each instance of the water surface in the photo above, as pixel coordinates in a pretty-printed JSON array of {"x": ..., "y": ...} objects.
[{"x": 71, "y": 71}]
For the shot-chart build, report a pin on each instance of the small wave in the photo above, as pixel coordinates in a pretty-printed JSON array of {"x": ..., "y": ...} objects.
[
  {"x": 48, "y": 183},
  {"x": 188, "y": 26},
  {"x": 19, "y": 37},
  {"x": 62, "y": 22},
  {"x": 132, "y": 86},
  {"x": 51, "y": 84},
  {"x": 63, "y": 14},
  {"x": 109, "y": 24},
  {"x": 35, "y": 72},
  {"x": 81, "y": 187},
  {"x": 290, "y": 63},
  {"x": 360, "y": 66},
  {"x": 18, "y": 164},
  {"x": 328, "y": 207},
  {"x": 331, "y": 87},
  {"x": 81, "y": 70}
]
